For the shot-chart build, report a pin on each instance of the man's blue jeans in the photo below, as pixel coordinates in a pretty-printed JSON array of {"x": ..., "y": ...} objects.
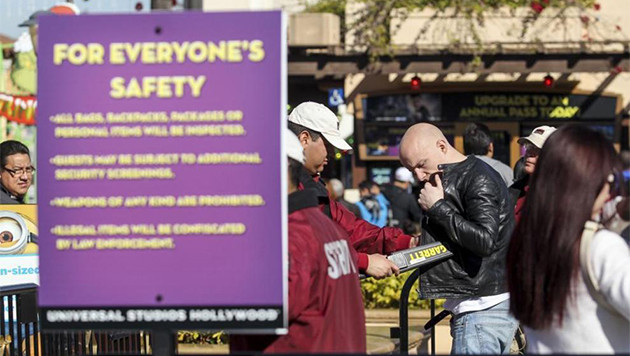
[{"x": 488, "y": 331}]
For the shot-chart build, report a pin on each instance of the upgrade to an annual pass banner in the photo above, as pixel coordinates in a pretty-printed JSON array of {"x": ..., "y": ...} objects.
[{"x": 161, "y": 198}]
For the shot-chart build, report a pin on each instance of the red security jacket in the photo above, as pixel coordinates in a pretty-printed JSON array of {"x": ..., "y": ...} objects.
[
  {"x": 325, "y": 304},
  {"x": 366, "y": 238}
]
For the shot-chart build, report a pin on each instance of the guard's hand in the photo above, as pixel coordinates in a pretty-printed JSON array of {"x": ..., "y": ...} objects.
[
  {"x": 430, "y": 194},
  {"x": 380, "y": 267}
]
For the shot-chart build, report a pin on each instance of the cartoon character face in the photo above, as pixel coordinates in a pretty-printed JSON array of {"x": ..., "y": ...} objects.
[{"x": 14, "y": 234}]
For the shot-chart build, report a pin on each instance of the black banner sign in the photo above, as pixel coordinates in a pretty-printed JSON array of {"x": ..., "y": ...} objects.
[
  {"x": 246, "y": 318},
  {"x": 526, "y": 107}
]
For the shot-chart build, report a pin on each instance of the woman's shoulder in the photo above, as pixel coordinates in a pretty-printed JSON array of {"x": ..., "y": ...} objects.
[
  {"x": 606, "y": 239},
  {"x": 606, "y": 245},
  {"x": 610, "y": 258}
]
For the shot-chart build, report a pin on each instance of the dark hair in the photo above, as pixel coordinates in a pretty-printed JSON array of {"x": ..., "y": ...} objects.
[
  {"x": 519, "y": 169},
  {"x": 412, "y": 228},
  {"x": 477, "y": 138},
  {"x": 542, "y": 259},
  {"x": 295, "y": 169},
  {"x": 297, "y": 129},
  {"x": 9, "y": 148},
  {"x": 366, "y": 184}
]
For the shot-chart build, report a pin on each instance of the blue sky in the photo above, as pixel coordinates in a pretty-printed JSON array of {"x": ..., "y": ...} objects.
[{"x": 13, "y": 12}]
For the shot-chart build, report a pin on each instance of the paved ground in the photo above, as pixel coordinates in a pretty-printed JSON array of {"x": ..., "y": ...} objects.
[
  {"x": 419, "y": 343},
  {"x": 442, "y": 341}
]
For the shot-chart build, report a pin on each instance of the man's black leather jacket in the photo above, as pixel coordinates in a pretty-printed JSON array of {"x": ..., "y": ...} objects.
[{"x": 474, "y": 221}]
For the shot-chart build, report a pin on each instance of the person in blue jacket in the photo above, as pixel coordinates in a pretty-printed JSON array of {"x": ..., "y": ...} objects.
[{"x": 374, "y": 207}]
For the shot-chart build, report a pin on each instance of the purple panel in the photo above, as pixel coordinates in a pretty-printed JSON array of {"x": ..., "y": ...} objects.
[{"x": 245, "y": 269}]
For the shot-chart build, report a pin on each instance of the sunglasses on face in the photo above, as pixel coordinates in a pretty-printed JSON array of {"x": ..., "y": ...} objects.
[{"x": 531, "y": 150}]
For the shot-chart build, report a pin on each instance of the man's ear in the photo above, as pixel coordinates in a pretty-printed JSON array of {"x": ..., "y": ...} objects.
[
  {"x": 491, "y": 149},
  {"x": 442, "y": 145},
  {"x": 304, "y": 138}
]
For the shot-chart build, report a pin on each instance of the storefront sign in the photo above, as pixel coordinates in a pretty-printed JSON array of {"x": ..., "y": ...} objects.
[
  {"x": 528, "y": 107},
  {"x": 161, "y": 171}
]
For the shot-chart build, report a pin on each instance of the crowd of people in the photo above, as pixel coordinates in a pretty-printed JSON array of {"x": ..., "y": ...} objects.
[
  {"x": 535, "y": 246},
  {"x": 517, "y": 236}
]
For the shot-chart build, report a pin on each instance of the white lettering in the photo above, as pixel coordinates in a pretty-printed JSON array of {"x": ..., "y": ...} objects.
[{"x": 339, "y": 259}]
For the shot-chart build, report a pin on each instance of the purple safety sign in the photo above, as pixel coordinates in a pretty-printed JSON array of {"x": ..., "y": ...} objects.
[{"x": 162, "y": 198}]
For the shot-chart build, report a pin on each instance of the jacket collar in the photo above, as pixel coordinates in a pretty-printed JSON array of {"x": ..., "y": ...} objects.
[
  {"x": 521, "y": 184},
  {"x": 316, "y": 183},
  {"x": 445, "y": 167},
  {"x": 302, "y": 199},
  {"x": 5, "y": 191}
]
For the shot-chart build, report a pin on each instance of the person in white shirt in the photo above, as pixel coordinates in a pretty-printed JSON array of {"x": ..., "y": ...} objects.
[
  {"x": 478, "y": 142},
  {"x": 576, "y": 173}
]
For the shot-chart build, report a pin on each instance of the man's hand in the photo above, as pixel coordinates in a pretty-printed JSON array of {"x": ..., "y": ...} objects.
[
  {"x": 415, "y": 241},
  {"x": 380, "y": 267},
  {"x": 430, "y": 194}
]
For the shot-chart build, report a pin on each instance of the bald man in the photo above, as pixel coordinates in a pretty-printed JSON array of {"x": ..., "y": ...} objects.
[{"x": 467, "y": 209}]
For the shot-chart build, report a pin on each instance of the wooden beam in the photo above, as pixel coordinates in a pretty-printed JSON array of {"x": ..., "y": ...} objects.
[{"x": 321, "y": 65}]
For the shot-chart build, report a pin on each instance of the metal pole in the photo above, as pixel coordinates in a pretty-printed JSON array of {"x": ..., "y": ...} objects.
[
  {"x": 2, "y": 68},
  {"x": 161, "y": 4},
  {"x": 193, "y": 4},
  {"x": 403, "y": 314},
  {"x": 433, "y": 328},
  {"x": 162, "y": 342}
]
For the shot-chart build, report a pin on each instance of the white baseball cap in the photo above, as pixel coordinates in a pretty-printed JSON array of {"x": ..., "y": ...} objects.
[
  {"x": 538, "y": 136},
  {"x": 294, "y": 147},
  {"x": 318, "y": 117},
  {"x": 403, "y": 175}
]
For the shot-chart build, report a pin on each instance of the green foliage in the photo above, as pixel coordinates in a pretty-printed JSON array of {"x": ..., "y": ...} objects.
[
  {"x": 385, "y": 293},
  {"x": 479, "y": 7},
  {"x": 24, "y": 72},
  {"x": 337, "y": 7},
  {"x": 199, "y": 337},
  {"x": 467, "y": 7}
]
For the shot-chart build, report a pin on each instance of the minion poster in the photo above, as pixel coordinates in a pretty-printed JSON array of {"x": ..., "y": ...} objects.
[
  {"x": 18, "y": 245},
  {"x": 161, "y": 195}
]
